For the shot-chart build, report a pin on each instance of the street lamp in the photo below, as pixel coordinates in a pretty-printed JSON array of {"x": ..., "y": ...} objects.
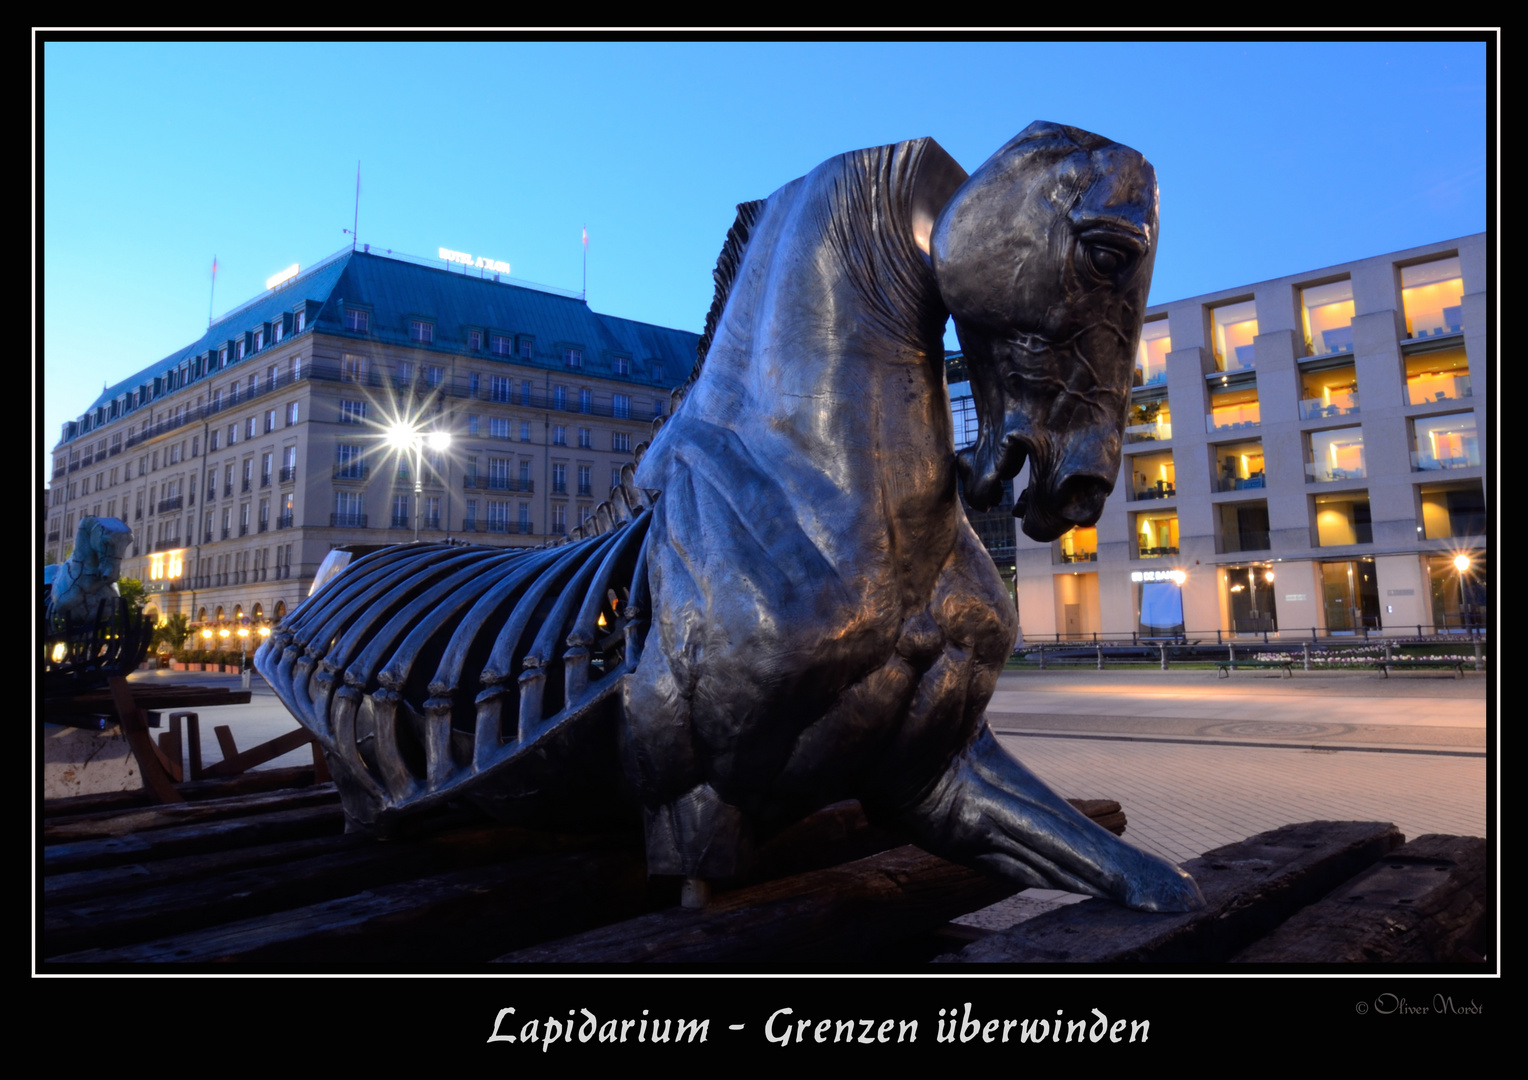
[
  {"x": 1462, "y": 564},
  {"x": 403, "y": 437}
]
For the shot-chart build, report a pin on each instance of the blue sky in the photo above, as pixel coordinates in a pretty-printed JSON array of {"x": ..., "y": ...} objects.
[{"x": 1272, "y": 158}]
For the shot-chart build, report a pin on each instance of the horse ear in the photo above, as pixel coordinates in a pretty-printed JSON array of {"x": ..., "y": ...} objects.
[{"x": 937, "y": 179}]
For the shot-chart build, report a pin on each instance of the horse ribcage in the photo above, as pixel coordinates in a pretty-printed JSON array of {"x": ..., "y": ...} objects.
[{"x": 432, "y": 671}]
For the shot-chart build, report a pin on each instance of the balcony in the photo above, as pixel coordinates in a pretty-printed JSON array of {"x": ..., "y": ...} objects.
[
  {"x": 351, "y": 471},
  {"x": 1240, "y": 483},
  {"x": 244, "y": 486},
  {"x": 1233, "y": 418},
  {"x": 284, "y": 521},
  {"x": 559, "y": 487},
  {"x": 265, "y": 480},
  {"x": 1157, "y": 429},
  {"x": 244, "y": 529},
  {"x": 212, "y": 493},
  {"x": 52, "y": 536},
  {"x": 1325, "y": 408},
  {"x": 498, "y": 483},
  {"x": 288, "y": 474},
  {"x": 265, "y": 526},
  {"x": 227, "y": 490},
  {"x": 1324, "y": 472},
  {"x": 173, "y": 503},
  {"x": 347, "y": 521},
  {"x": 401, "y": 521},
  {"x": 585, "y": 489},
  {"x": 207, "y": 537},
  {"x": 431, "y": 523},
  {"x": 227, "y": 532},
  {"x": 1465, "y": 455},
  {"x": 469, "y": 525},
  {"x": 1157, "y": 552}
]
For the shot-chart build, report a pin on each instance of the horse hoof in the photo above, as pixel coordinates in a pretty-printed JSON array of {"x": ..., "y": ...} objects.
[{"x": 1160, "y": 886}]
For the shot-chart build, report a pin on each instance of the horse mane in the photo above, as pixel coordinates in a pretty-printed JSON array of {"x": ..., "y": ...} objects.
[{"x": 725, "y": 274}]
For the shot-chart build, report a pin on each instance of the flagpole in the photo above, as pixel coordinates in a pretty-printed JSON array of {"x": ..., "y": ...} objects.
[
  {"x": 586, "y": 264},
  {"x": 213, "y": 291},
  {"x": 356, "y": 223}
]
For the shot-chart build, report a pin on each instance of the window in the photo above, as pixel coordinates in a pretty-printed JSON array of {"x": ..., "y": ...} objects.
[
  {"x": 265, "y": 514},
  {"x": 1152, "y": 477},
  {"x": 1328, "y": 391},
  {"x": 347, "y": 509},
  {"x": 1239, "y": 465},
  {"x": 1156, "y": 534},
  {"x": 249, "y": 428},
  {"x": 347, "y": 460},
  {"x": 1450, "y": 510},
  {"x": 474, "y": 340},
  {"x": 1233, "y": 407},
  {"x": 525, "y": 474},
  {"x": 472, "y": 424},
  {"x": 573, "y": 358},
  {"x": 657, "y": 406},
  {"x": 241, "y": 348},
  {"x": 620, "y": 405},
  {"x": 302, "y": 321},
  {"x": 1342, "y": 519},
  {"x": 525, "y": 348},
  {"x": 1079, "y": 544},
  {"x": 1445, "y": 442},
  {"x": 266, "y": 460},
  {"x": 559, "y": 397},
  {"x": 1336, "y": 455},
  {"x": 1327, "y": 312},
  {"x": 498, "y": 473},
  {"x": 585, "y": 480},
  {"x": 469, "y": 521},
  {"x": 560, "y": 519},
  {"x": 585, "y": 400},
  {"x": 1437, "y": 375},
  {"x": 276, "y": 329},
  {"x": 1235, "y": 325},
  {"x": 500, "y": 388},
  {"x": 1432, "y": 295},
  {"x": 233, "y": 434},
  {"x": 559, "y": 435},
  {"x": 559, "y": 479},
  {"x": 352, "y": 412},
  {"x": 525, "y": 392},
  {"x": 421, "y": 331},
  {"x": 259, "y": 339},
  {"x": 620, "y": 442},
  {"x": 295, "y": 368},
  {"x": 291, "y": 415},
  {"x": 359, "y": 321},
  {"x": 222, "y": 361},
  {"x": 1151, "y": 354},
  {"x": 622, "y": 365},
  {"x": 502, "y": 345},
  {"x": 525, "y": 518},
  {"x": 270, "y": 421},
  {"x": 432, "y": 375},
  {"x": 525, "y": 431},
  {"x": 1243, "y": 526},
  {"x": 271, "y": 375},
  {"x": 585, "y": 438},
  {"x": 498, "y": 428},
  {"x": 474, "y": 383},
  {"x": 405, "y": 372},
  {"x": 353, "y": 368},
  {"x": 400, "y": 511}
]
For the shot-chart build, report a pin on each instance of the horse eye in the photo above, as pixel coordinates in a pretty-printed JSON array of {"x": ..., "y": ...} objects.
[{"x": 1104, "y": 261}]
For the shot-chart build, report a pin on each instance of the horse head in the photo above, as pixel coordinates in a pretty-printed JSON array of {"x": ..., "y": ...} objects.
[{"x": 1044, "y": 260}]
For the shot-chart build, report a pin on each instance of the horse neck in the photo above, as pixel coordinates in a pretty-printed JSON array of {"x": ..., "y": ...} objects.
[{"x": 832, "y": 339}]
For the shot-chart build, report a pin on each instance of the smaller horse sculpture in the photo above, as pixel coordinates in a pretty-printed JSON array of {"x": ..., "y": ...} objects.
[{"x": 84, "y": 590}]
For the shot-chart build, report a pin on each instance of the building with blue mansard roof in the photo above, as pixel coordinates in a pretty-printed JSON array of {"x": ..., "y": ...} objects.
[{"x": 242, "y": 459}]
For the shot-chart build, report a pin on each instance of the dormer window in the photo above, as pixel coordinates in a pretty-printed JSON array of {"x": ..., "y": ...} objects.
[
  {"x": 223, "y": 356},
  {"x": 259, "y": 339},
  {"x": 623, "y": 365},
  {"x": 302, "y": 321},
  {"x": 359, "y": 321},
  {"x": 241, "y": 349},
  {"x": 475, "y": 340},
  {"x": 276, "y": 328},
  {"x": 501, "y": 344},
  {"x": 421, "y": 331},
  {"x": 573, "y": 358}
]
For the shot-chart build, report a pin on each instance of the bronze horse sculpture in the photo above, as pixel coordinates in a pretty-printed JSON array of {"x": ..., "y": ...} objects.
[{"x": 783, "y": 605}]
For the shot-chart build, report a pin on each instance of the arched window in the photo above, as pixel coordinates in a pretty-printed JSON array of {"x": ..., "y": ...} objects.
[
  {"x": 220, "y": 613},
  {"x": 258, "y": 611},
  {"x": 280, "y": 609}
]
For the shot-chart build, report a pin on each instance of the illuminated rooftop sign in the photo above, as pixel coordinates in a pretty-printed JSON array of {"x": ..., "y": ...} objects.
[
  {"x": 478, "y": 262},
  {"x": 285, "y": 275}
]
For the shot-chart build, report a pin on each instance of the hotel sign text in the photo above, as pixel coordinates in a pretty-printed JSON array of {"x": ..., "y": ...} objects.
[{"x": 478, "y": 262}]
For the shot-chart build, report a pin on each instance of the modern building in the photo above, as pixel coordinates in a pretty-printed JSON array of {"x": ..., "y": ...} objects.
[
  {"x": 1303, "y": 455},
  {"x": 994, "y": 527},
  {"x": 241, "y": 460}
]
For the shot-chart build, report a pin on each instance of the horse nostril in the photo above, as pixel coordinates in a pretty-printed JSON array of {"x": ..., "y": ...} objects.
[{"x": 1080, "y": 498}]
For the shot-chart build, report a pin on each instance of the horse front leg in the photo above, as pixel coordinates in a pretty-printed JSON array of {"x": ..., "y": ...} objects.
[{"x": 988, "y": 811}]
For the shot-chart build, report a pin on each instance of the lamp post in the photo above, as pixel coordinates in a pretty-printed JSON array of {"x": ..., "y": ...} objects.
[
  {"x": 1462, "y": 564},
  {"x": 404, "y": 437}
]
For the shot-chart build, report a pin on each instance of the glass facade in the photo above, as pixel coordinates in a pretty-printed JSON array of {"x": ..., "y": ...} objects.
[
  {"x": 1233, "y": 408},
  {"x": 1343, "y": 519},
  {"x": 1239, "y": 465},
  {"x": 1438, "y": 375},
  {"x": 1150, "y": 420},
  {"x": 1156, "y": 533},
  {"x": 1327, "y": 313},
  {"x": 1336, "y": 455},
  {"x": 1350, "y": 596},
  {"x": 1450, "y": 510},
  {"x": 1151, "y": 476},
  {"x": 1250, "y": 597},
  {"x": 1445, "y": 442},
  {"x": 1328, "y": 392}
]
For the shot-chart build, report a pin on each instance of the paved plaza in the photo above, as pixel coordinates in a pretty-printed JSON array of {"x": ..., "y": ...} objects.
[{"x": 1196, "y": 760}]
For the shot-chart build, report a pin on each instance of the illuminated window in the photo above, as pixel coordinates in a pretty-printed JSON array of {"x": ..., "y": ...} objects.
[
  {"x": 1079, "y": 544},
  {"x": 1151, "y": 354},
  {"x": 1437, "y": 375},
  {"x": 1232, "y": 408},
  {"x": 1152, "y": 476},
  {"x": 1445, "y": 442},
  {"x": 1235, "y": 325},
  {"x": 1343, "y": 519},
  {"x": 1432, "y": 295},
  {"x": 1336, "y": 455},
  {"x": 1239, "y": 466},
  {"x": 1328, "y": 392},
  {"x": 1150, "y": 420},
  {"x": 1327, "y": 311},
  {"x": 1156, "y": 534}
]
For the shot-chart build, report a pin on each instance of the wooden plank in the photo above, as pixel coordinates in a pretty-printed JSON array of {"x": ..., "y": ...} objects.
[
  {"x": 1249, "y": 887},
  {"x": 339, "y": 870},
  {"x": 297, "y": 776},
  {"x": 152, "y": 764},
  {"x": 187, "y": 840},
  {"x": 180, "y": 815},
  {"x": 849, "y": 913},
  {"x": 257, "y": 755},
  {"x": 1428, "y": 901},
  {"x": 442, "y": 922}
]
